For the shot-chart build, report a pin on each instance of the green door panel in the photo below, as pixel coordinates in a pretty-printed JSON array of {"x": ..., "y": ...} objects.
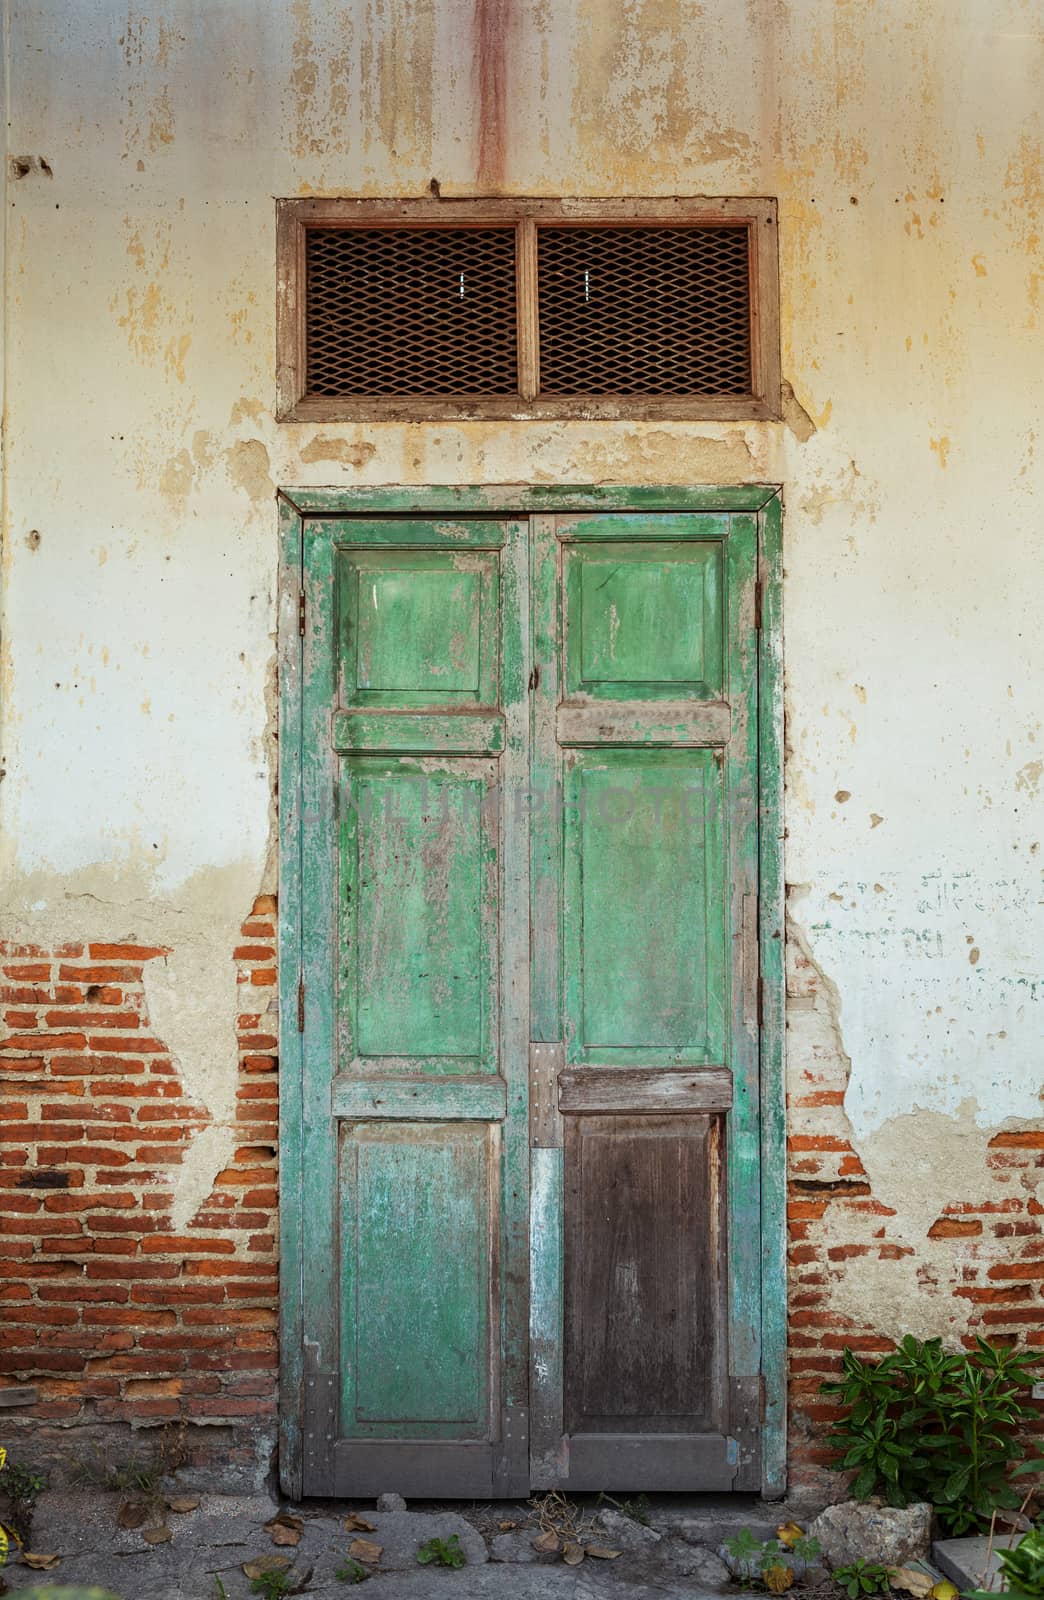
[
  {"x": 415, "y": 1279},
  {"x": 417, "y": 628},
  {"x": 419, "y": 915},
  {"x": 644, "y": 933},
  {"x": 644, "y": 621}
]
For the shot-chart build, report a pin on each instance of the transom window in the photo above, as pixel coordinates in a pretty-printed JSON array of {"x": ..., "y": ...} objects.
[{"x": 527, "y": 309}]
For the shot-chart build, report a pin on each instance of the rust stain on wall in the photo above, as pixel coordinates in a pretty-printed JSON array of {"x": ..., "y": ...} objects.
[{"x": 491, "y": 25}]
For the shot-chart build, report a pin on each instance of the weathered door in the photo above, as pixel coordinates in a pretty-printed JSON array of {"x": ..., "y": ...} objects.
[
  {"x": 527, "y": 885},
  {"x": 645, "y": 1296}
]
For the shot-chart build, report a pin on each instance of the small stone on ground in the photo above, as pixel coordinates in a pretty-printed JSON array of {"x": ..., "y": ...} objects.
[{"x": 870, "y": 1531}]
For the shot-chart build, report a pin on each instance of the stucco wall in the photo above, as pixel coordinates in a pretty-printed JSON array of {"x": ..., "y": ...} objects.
[{"x": 904, "y": 144}]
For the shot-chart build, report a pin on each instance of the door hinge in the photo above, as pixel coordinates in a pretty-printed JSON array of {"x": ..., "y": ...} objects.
[
  {"x": 301, "y": 612},
  {"x": 759, "y": 594},
  {"x": 300, "y": 1005}
]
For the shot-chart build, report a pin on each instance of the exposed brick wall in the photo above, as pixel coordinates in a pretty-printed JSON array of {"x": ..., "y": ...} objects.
[
  {"x": 987, "y": 1249},
  {"x": 114, "y": 1318},
  {"x": 109, "y": 1314}
]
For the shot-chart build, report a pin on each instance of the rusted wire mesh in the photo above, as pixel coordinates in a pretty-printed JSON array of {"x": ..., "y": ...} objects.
[
  {"x": 644, "y": 311},
  {"x": 411, "y": 311}
]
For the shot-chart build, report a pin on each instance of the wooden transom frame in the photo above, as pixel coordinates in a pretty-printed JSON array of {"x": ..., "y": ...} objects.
[{"x": 294, "y": 218}]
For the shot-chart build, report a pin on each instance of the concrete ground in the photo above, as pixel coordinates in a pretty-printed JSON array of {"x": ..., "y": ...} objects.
[{"x": 208, "y": 1546}]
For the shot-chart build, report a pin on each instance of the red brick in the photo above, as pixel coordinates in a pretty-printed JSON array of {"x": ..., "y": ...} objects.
[
  {"x": 81, "y": 1065},
  {"x": 955, "y": 1228},
  {"x": 130, "y": 1269},
  {"x": 104, "y": 1044},
  {"x": 169, "y": 1243},
  {"x": 92, "y": 1155},
  {"x": 88, "y": 1293},
  {"x": 1017, "y": 1291},
  {"x": 101, "y": 974},
  {"x": 127, "y": 952},
  {"x": 93, "y": 1019},
  {"x": 46, "y": 1041},
  {"x": 229, "y": 1316},
  {"x": 20, "y": 1019}
]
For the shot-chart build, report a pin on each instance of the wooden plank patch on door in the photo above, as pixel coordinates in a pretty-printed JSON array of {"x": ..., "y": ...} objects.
[{"x": 644, "y": 1275}]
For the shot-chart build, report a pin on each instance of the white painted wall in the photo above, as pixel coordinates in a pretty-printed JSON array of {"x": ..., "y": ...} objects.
[{"x": 903, "y": 141}]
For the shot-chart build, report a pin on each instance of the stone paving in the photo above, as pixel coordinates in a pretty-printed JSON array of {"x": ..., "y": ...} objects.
[{"x": 208, "y": 1546}]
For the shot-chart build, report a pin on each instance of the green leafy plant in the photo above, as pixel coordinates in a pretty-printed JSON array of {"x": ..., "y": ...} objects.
[
  {"x": 930, "y": 1424},
  {"x": 637, "y": 1509},
  {"x": 752, "y": 1557},
  {"x": 1022, "y": 1568},
  {"x": 220, "y": 1592},
  {"x": 807, "y": 1550},
  {"x": 352, "y": 1571},
  {"x": 272, "y": 1585},
  {"x": 862, "y": 1577},
  {"x": 21, "y": 1488},
  {"x": 442, "y": 1552}
]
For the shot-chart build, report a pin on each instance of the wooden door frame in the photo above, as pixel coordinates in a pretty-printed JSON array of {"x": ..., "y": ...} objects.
[{"x": 296, "y": 507}]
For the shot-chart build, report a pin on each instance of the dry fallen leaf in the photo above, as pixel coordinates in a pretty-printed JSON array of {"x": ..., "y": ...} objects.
[
  {"x": 285, "y": 1529},
  {"x": 789, "y": 1534},
  {"x": 546, "y": 1541},
  {"x": 42, "y": 1563},
  {"x": 160, "y": 1535},
  {"x": 262, "y": 1564},
  {"x": 916, "y": 1583},
  {"x": 365, "y": 1550},
  {"x": 601, "y": 1552},
  {"x": 573, "y": 1554},
  {"x": 132, "y": 1513},
  {"x": 778, "y": 1578},
  {"x": 181, "y": 1503},
  {"x": 506, "y": 1527},
  {"x": 353, "y": 1523}
]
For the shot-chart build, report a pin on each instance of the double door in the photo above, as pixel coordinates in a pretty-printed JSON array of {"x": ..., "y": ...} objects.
[{"x": 523, "y": 1131}]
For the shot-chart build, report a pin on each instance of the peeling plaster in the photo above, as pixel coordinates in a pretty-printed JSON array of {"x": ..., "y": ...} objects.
[
  {"x": 917, "y": 1161},
  {"x": 192, "y": 994}
]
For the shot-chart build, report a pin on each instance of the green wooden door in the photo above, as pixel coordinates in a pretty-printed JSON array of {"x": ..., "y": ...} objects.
[{"x": 527, "y": 1132}]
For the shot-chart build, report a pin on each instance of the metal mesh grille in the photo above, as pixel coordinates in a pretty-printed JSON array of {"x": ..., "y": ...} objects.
[
  {"x": 644, "y": 311},
  {"x": 411, "y": 311}
]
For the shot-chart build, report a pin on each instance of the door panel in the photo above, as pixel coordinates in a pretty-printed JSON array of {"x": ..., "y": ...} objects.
[
  {"x": 415, "y": 1009},
  {"x": 643, "y": 620},
  {"x": 645, "y": 1275},
  {"x": 418, "y": 1278},
  {"x": 419, "y": 914},
  {"x": 529, "y": 1102},
  {"x": 643, "y": 934},
  {"x": 418, "y": 627}
]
